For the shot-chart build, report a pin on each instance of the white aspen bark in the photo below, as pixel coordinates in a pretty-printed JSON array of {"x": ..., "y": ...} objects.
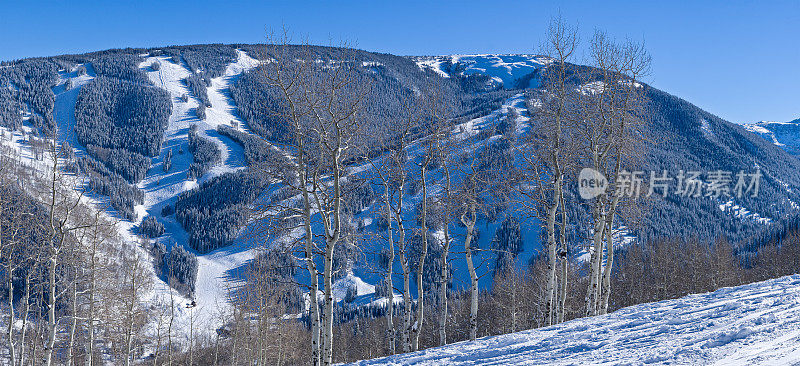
[
  {"x": 129, "y": 322},
  {"x": 550, "y": 299},
  {"x": 443, "y": 277},
  {"x": 401, "y": 232},
  {"x": 327, "y": 341},
  {"x": 562, "y": 301},
  {"x": 406, "y": 334},
  {"x": 172, "y": 320},
  {"x": 606, "y": 288},
  {"x": 333, "y": 233},
  {"x": 420, "y": 317},
  {"x": 51, "y": 308},
  {"x": 389, "y": 273},
  {"x": 10, "y": 283},
  {"x": 74, "y": 322},
  {"x": 91, "y": 315},
  {"x": 514, "y": 308},
  {"x": 596, "y": 261},
  {"x": 316, "y": 355},
  {"x": 10, "y": 329},
  {"x": 53, "y": 260},
  {"x": 473, "y": 275},
  {"x": 24, "y": 330}
]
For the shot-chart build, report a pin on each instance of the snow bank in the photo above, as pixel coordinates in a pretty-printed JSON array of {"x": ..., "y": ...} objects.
[{"x": 747, "y": 325}]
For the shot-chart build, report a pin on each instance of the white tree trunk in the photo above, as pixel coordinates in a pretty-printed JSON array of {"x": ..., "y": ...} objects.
[
  {"x": 389, "y": 272},
  {"x": 443, "y": 277},
  {"x": 420, "y": 317},
  {"x": 593, "y": 291},
  {"x": 10, "y": 329},
  {"x": 473, "y": 275},
  {"x": 562, "y": 300}
]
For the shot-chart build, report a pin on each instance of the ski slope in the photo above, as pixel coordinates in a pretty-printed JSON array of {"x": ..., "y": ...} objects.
[
  {"x": 755, "y": 324},
  {"x": 162, "y": 188}
]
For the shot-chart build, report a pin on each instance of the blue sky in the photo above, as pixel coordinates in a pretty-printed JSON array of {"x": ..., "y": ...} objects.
[{"x": 737, "y": 59}]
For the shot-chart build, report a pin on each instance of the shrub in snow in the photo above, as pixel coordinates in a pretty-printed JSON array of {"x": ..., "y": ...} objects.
[
  {"x": 155, "y": 66},
  {"x": 151, "y": 228}
]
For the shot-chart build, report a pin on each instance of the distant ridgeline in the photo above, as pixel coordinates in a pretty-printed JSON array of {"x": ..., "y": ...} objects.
[{"x": 120, "y": 119}]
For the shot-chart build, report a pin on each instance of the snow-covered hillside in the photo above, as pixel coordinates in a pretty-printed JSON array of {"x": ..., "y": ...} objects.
[
  {"x": 505, "y": 70},
  {"x": 783, "y": 134},
  {"x": 161, "y": 188},
  {"x": 755, "y": 324}
]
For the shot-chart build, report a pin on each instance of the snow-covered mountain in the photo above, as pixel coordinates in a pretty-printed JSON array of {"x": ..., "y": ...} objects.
[
  {"x": 503, "y": 71},
  {"x": 755, "y": 324},
  {"x": 783, "y": 134},
  {"x": 486, "y": 88}
]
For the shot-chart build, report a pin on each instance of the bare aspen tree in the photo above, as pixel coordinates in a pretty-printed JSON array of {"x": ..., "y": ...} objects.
[
  {"x": 62, "y": 194},
  {"x": 445, "y": 149},
  {"x": 12, "y": 252},
  {"x": 611, "y": 140},
  {"x": 546, "y": 152},
  {"x": 320, "y": 100},
  {"x": 391, "y": 173},
  {"x": 469, "y": 198},
  {"x": 391, "y": 170}
]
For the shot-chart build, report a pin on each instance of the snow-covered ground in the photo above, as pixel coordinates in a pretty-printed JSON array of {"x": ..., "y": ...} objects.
[{"x": 755, "y": 324}]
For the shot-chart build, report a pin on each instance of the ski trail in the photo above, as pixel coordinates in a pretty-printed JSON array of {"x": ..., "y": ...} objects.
[
  {"x": 211, "y": 294},
  {"x": 64, "y": 109}
]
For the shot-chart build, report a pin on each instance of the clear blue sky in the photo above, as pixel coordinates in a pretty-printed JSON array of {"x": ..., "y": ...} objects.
[{"x": 737, "y": 59}]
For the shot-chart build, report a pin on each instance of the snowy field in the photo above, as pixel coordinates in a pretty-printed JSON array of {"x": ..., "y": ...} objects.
[{"x": 755, "y": 324}]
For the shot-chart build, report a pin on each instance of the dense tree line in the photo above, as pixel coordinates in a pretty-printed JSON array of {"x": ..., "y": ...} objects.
[
  {"x": 120, "y": 66},
  {"x": 214, "y": 213},
  {"x": 257, "y": 152},
  {"x": 208, "y": 60},
  {"x": 151, "y": 227},
  {"x": 393, "y": 79},
  {"x": 123, "y": 195},
  {"x": 181, "y": 269},
  {"x": 26, "y": 86},
  {"x": 130, "y": 165},
  {"x": 198, "y": 87},
  {"x": 117, "y": 114},
  {"x": 205, "y": 152}
]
